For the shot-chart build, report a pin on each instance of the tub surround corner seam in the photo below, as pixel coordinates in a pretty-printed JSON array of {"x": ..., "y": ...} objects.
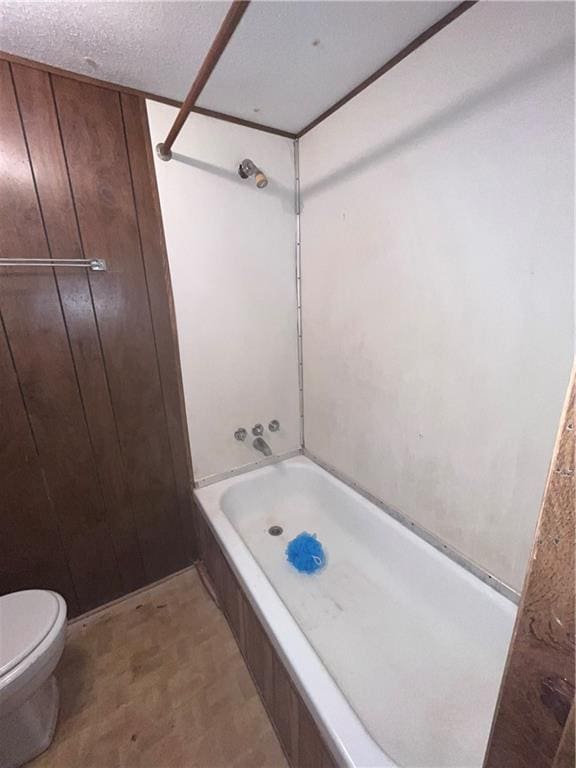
[{"x": 298, "y": 257}]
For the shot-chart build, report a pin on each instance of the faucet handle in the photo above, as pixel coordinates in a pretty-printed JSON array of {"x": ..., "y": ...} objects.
[
  {"x": 257, "y": 430},
  {"x": 240, "y": 434},
  {"x": 274, "y": 425}
]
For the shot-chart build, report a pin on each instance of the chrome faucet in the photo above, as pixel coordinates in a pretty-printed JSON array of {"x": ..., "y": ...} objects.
[{"x": 261, "y": 445}]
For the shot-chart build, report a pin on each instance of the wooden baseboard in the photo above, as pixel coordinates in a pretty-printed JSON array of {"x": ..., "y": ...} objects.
[{"x": 95, "y": 611}]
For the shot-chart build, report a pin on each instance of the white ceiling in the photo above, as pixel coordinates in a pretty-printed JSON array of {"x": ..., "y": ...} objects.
[{"x": 286, "y": 63}]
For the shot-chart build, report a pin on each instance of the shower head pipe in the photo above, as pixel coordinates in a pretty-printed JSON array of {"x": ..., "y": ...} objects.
[{"x": 227, "y": 28}]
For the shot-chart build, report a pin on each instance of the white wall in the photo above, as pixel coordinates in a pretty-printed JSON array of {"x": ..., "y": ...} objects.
[
  {"x": 437, "y": 247},
  {"x": 232, "y": 262}
]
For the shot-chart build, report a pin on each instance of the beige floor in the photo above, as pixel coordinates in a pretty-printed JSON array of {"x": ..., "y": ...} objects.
[{"x": 157, "y": 681}]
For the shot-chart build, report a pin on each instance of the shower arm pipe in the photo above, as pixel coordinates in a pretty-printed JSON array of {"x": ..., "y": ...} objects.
[{"x": 231, "y": 21}]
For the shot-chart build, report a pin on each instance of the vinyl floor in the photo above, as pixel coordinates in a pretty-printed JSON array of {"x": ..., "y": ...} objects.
[{"x": 157, "y": 681}]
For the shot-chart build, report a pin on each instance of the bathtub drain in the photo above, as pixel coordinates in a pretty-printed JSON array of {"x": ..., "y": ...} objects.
[{"x": 275, "y": 530}]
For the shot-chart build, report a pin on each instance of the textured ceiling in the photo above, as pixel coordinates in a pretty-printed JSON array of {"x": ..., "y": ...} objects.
[{"x": 287, "y": 61}]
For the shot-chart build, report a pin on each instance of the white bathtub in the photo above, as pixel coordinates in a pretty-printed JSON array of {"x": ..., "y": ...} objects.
[{"x": 397, "y": 650}]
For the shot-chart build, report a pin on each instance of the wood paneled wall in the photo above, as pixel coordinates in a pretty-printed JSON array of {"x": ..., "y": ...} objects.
[{"x": 95, "y": 472}]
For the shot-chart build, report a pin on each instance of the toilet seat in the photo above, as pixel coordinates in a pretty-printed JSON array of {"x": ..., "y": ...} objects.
[{"x": 26, "y": 618}]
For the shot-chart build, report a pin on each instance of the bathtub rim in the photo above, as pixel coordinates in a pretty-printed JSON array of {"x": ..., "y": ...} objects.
[{"x": 483, "y": 574}]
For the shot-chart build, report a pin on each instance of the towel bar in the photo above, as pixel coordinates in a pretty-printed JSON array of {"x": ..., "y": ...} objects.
[{"x": 96, "y": 265}]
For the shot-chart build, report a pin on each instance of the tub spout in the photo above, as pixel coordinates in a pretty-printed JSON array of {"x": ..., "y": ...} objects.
[{"x": 261, "y": 445}]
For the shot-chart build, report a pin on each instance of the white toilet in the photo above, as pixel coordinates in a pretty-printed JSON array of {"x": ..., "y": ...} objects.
[{"x": 32, "y": 634}]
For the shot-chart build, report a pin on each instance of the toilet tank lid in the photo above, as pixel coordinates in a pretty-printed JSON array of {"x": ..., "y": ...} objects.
[{"x": 25, "y": 620}]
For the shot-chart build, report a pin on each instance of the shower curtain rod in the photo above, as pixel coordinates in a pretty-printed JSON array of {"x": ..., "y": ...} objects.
[{"x": 231, "y": 21}]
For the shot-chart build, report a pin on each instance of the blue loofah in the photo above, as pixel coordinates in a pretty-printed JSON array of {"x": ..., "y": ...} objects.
[{"x": 306, "y": 553}]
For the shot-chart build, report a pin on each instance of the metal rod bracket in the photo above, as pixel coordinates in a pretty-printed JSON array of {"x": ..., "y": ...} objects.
[{"x": 162, "y": 154}]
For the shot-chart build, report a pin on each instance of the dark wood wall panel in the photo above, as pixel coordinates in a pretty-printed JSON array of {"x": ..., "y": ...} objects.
[
  {"x": 96, "y": 455},
  {"x": 35, "y": 327},
  {"x": 566, "y": 755},
  {"x": 94, "y": 142},
  {"x": 259, "y": 655},
  {"x": 49, "y": 166},
  {"x": 161, "y": 300},
  {"x": 285, "y": 711},
  {"x": 39, "y": 557}
]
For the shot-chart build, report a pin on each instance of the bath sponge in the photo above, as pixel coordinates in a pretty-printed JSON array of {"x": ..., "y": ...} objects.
[{"x": 306, "y": 553}]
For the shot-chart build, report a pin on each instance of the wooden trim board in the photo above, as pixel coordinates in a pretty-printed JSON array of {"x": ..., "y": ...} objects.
[{"x": 95, "y": 612}]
